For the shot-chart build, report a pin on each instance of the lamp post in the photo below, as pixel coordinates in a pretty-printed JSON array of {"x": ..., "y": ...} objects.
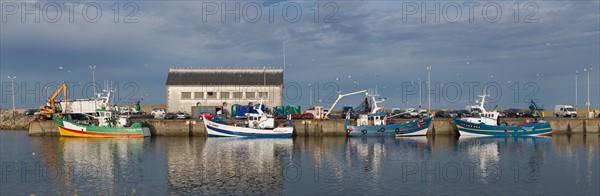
[
  {"x": 93, "y": 68},
  {"x": 588, "y": 70},
  {"x": 420, "y": 94},
  {"x": 13, "y": 93},
  {"x": 576, "y": 87},
  {"x": 429, "y": 89}
]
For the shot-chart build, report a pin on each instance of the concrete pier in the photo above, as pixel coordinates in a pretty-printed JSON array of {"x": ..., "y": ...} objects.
[{"x": 303, "y": 128}]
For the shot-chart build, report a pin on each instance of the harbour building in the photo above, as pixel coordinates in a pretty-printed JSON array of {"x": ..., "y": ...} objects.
[{"x": 192, "y": 88}]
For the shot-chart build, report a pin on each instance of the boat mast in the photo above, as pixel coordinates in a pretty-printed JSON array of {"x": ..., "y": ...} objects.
[{"x": 483, "y": 99}]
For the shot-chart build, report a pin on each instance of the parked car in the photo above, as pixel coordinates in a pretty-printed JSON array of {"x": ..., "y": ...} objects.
[
  {"x": 31, "y": 112},
  {"x": 527, "y": 114},
  {"x": 182, "y": 115},
  {"x": 170, "y": 115},
  {"x": 396, "y": 111},
  {"x": 410, "y": 113},
  {"x": 443, "y": 114},
  {"x": 159, "y": 112},
  {"x": 462, "y": 113},
  {"x": 423, "y": 113},
  {"x": 206, "y": 115},
  {"x": 514, "y": 113},
  {"x": 564, "y": 111},
  {"x": 501, "y": 114}
]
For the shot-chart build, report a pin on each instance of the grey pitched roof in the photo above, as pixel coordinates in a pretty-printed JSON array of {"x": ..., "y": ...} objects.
[{"x": 225, "y": 76}]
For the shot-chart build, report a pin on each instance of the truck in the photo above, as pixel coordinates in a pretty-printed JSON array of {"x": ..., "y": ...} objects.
[{"x": 565, "y": 111}]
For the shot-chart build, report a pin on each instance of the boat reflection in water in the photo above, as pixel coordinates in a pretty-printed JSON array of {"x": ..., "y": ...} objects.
[
  {"x": 561, "y": 164},
  {"x": 228, "y": 165},
  {"x": 490, "y": 156},
  {"x": 86, "y": 165}
]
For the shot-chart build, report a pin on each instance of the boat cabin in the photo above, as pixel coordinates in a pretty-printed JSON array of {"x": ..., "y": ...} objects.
[
  {"x": 376, "y": 119},
  {"x": 485, "y": 117},
  {"x": 260, "y": 121},
  {"x": 107, "y": 118}
]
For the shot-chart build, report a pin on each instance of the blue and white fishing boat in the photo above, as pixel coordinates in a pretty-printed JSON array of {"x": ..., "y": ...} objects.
[
  {"x": 257, "y": 125},
  {"x": 485, "y": 123},
  {"x": 375, "y": 124}
]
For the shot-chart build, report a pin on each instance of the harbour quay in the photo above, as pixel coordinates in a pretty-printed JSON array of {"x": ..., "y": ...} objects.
[{"x": 333, "y": 127}]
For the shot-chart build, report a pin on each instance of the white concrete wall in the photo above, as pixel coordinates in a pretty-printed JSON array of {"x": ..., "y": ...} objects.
[{"x": 175, "y": 102}]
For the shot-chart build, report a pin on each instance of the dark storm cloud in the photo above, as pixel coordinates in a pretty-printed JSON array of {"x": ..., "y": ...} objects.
[{"x": 371, "y": 43}]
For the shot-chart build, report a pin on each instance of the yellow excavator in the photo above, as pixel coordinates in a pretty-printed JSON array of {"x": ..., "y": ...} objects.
[{"x": 46, "y": 111}]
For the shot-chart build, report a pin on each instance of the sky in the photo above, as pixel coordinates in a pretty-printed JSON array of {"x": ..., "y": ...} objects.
[{"x": 519, "y": 50}]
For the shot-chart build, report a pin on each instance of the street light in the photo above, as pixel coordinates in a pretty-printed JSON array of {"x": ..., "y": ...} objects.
[
  {"x": 93, "y": 68},
  {"x": 576, "y": 87},
  {"x": 13, "y": 92},
  {"x": 588, "y": 70},
  {"x": 420, "y": 93},
  {"x": 429, "y": 89}
]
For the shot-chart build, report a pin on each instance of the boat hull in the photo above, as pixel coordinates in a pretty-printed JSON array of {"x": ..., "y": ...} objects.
[
  {"x": 472, "y": 129},
  {"x": 220, "y": 130},
  {"x": 411, "y": 128},
  {"x": 70, "y": 129},
  {"x": 76, "y": 133}
]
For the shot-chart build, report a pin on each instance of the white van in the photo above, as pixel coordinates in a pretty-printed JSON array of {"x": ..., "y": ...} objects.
[{"x": 564, "y": 111}]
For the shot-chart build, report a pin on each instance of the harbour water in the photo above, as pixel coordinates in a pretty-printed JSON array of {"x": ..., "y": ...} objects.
[{"x": 558, "y": 165}]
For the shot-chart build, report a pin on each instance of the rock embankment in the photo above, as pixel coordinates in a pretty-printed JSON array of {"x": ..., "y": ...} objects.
[{"x": 18, "y": 122}]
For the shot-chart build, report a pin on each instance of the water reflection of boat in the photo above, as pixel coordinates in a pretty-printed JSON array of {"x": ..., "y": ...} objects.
[
  {"x": 485, "y": 153},
  {"x": 100, "y": 164},
  {"x": 371, "y": 152},
  {"x": 228, "y": 165}
]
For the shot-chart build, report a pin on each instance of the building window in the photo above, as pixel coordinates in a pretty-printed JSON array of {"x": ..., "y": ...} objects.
[
  {"x": 224, "y": 95},
  {"x": 238, "y": 95},
  {"x": 186, "y": 95},
  {"x": 211, "y": 95},
  {"x": 263, "y": 95},
  {"x": 250, "y": 95},
  {"x": 198, "y": 95}
]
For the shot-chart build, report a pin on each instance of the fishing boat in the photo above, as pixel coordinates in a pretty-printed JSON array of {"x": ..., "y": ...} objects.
[
  {"x": 485, "y": 123},
  {"x": 110, "y": 124},
  {"x": 256, "y": 125},
  {"x": 107, "y": 121},
  {"x": 375, "y": 123}
]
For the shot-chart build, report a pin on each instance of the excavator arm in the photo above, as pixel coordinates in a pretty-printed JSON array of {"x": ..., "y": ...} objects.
[{"x": 46, "y": 111}]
